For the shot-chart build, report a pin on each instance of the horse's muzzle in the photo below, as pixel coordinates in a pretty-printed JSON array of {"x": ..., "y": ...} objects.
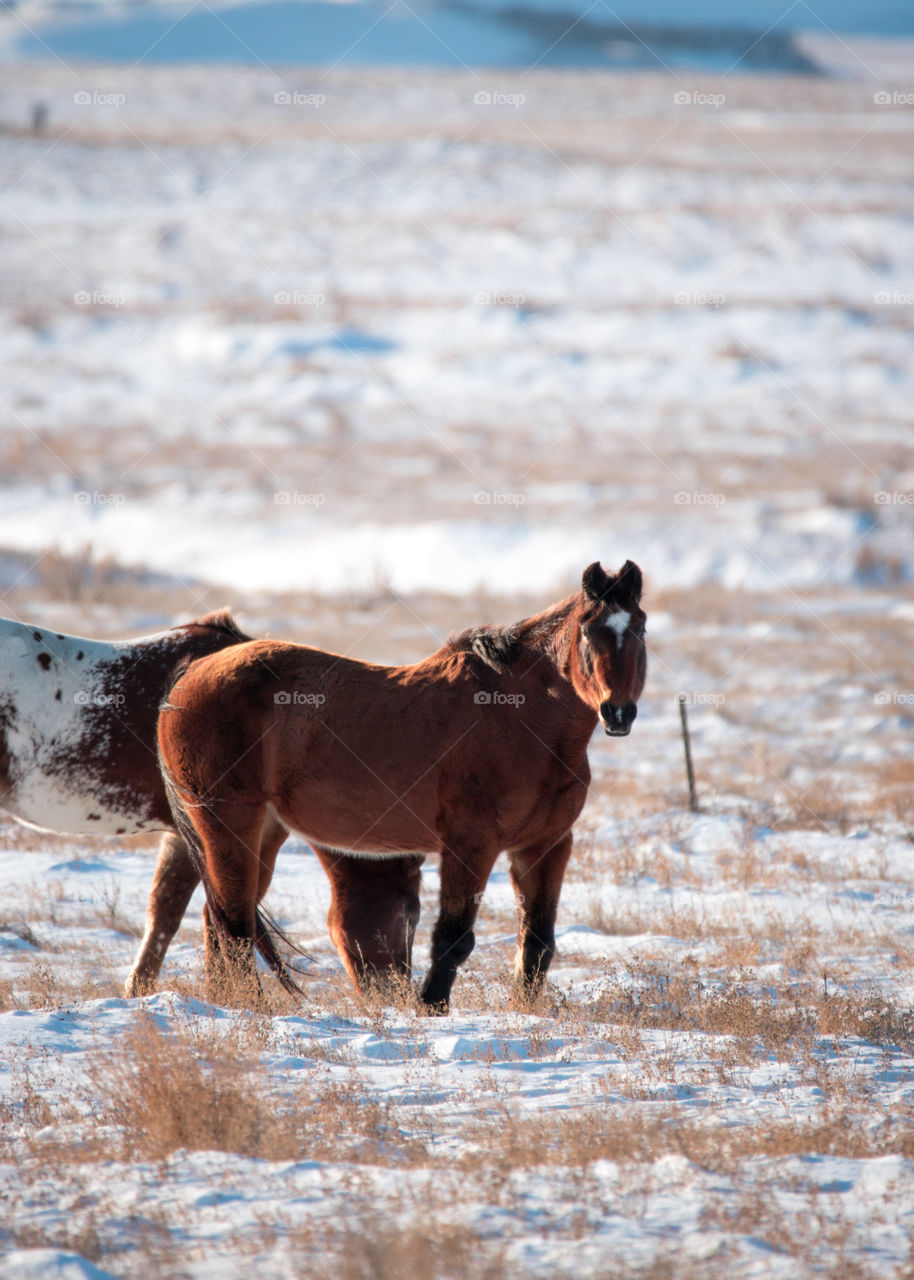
[{"x": 618, "y": 721}]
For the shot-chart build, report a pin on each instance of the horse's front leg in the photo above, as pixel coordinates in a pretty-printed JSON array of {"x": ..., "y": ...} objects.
[
  {"x": 465, "y": 870},
  {"x": 537, "y": 872},
  {"x": 173, "y": 886}
]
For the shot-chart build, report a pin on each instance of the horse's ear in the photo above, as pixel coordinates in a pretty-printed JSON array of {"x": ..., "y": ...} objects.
[
  {"x": 595, "y": 580},
  {"x": 628, "y": 583}
]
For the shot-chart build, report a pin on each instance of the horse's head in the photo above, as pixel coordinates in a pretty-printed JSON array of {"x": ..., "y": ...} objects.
[{"x": 611, "y": 650}]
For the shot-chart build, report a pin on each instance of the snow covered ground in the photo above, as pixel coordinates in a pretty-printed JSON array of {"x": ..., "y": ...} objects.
[
  {"x": 373, "y": 357},
  {"x": 721, "y": 1075}
]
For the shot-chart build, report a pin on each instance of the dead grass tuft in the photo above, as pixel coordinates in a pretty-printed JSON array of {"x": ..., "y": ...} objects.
[
  {"x": 644, "y": 1135},
  {"x": 620, "y": 922},
  {"x": 163, "y": 1093},
  {"x": 79, "y": 576},
  {"x": 42, "y": 986},
  {"x": 770, "y": 1020},
  {"x": 201, "y": 1087},
  {"x": 376, "y": 1250},
  {"x": 82, "y": 1240}
]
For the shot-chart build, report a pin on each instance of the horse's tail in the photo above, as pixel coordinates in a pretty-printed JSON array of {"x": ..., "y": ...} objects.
[{"x": 266, "y": 930}]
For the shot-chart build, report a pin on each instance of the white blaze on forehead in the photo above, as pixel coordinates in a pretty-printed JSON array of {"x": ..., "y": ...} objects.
[{"x": 618, "y": 622}]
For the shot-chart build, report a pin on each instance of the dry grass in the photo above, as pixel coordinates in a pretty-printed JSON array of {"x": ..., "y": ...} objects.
[
  {"x": 374, "y": 1250},
  {"x": 890, "y": 788},
  {"x": 163, "y": 1093},
  {"x": 80, "y": 576},
  {"x": 198, "y": 1086},
  {"x": 83, "y": 1240},
  {"x": 620, "y": 922},
  {"x": 769, "y": 1021},
  {"x": 641, "y": 1137},
  {"x": 60, "y": 986}
]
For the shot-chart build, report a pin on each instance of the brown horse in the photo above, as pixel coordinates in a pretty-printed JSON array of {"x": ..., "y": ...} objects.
[{"x": 480, "y": 748}]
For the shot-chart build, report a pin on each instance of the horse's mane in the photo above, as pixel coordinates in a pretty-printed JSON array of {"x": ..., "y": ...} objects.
[
  {"x": 220, "y": 620},
  {"x": 496, "y": 646},
  {"x": 499, "y": 647}
]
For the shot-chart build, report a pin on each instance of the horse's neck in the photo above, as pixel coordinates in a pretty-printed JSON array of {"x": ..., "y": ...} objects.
[{"x": 553, "y": 637}]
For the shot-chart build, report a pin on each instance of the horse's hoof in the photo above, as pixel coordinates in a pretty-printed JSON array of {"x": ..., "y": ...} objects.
[
  {"x": 135, "y": 987},
  {"x": 436, "y": 1008}
]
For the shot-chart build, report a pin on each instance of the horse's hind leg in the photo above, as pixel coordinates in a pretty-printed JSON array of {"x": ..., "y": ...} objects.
[
  {"x": 173, "y": 885},
  {"x": 271, "y": 839},
  {"x": 536, "y": 874},
  {"x": 231, "y": 835},
  {"x": 373, "y": 912}
]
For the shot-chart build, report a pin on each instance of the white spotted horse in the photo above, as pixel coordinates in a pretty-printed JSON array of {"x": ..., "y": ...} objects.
[{"x": 78, "y": 756}]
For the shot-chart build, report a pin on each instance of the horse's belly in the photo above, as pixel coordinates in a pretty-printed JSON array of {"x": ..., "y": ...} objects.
[
  {"x": 42, "y": 801},
  {"x": 369, "y": 819},
  {"x": 363, "y": 839}
]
